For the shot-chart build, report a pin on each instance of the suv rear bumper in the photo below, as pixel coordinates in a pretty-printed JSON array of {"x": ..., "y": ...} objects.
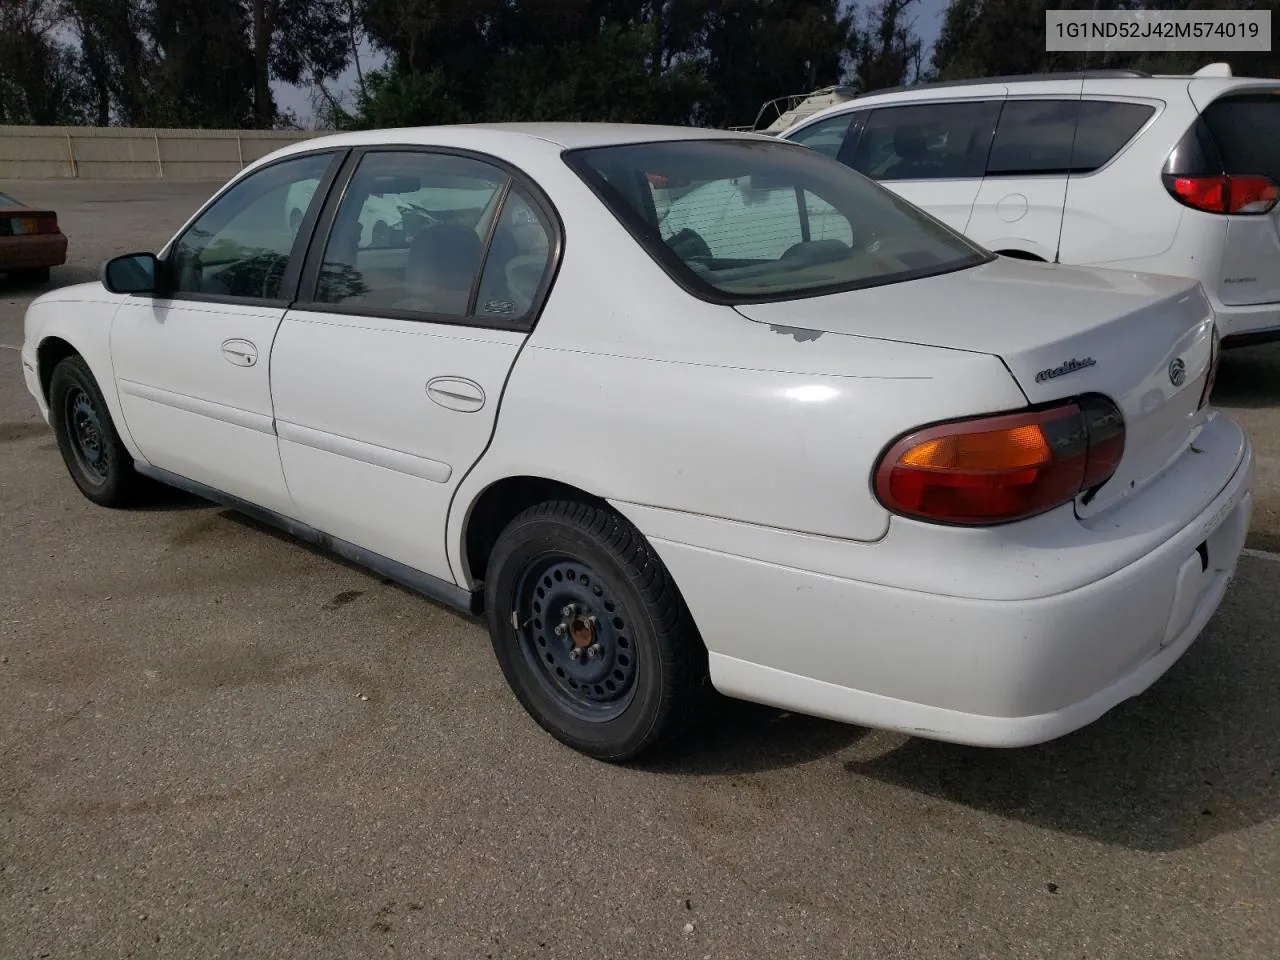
[{"x": 1246, "y": 326}]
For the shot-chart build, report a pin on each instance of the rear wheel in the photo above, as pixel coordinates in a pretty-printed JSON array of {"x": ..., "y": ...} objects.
[
  {"x": 591, "y": 632},
  {"x": 91, "y": 448}
]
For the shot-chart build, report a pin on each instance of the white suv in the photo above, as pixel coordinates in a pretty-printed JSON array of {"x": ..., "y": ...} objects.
[{"x": 1159, "y": 174}]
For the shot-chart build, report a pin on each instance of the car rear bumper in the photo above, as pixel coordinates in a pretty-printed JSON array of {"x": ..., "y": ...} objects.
[
  {"x": 33, "y": 251},
  {"x": 988, "y": 672}
]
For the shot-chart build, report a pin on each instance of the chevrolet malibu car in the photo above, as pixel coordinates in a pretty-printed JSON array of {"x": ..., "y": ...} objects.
[
  {"x": 30, "y": 241},
  {"x": 796, "y": 438}
]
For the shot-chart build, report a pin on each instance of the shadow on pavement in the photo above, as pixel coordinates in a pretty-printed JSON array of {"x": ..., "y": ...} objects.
[
  {"x": 1249, "y": 377},
  {"x": 730, "y": 736},
  {"x": 1196, "y": 756},
  {"x": 164, "y": 499},
  {"x": 63, "y": 276},
  {"x": 734, "y": 737}
]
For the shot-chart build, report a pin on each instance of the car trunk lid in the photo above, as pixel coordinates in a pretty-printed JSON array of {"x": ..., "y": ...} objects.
[{"x": 1145, "y": 342}]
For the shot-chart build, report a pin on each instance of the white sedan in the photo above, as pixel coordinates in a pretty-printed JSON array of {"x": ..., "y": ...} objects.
[{"x": 788, "y": 434}]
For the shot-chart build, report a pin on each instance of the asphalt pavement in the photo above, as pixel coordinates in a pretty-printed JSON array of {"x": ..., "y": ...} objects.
[{"x": 217, "y": 742}]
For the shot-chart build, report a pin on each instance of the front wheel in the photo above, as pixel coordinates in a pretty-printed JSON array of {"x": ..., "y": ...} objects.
[
  {"x": 591, "y": 632},
  {"x": 97, "y": 460}
]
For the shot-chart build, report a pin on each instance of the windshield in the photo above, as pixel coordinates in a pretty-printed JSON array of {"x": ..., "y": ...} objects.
[{"x": 751, "y": 221}]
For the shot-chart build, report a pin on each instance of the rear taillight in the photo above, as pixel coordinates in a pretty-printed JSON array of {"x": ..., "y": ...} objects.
[
  {"x": 997, "y": 469},
  {"x": 47, "y": 223},
  {"x": 1224, "y": 194}
]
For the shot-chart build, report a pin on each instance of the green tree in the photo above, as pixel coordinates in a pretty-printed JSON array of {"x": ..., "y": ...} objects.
[
  {"x": 41, "y": 78},
  {"x": 756, "y": 50},
  {"x": 203, "y": 72},
  {"x": 984, "y": 38},
  {"x": 295, "y": 40},
  {"x": 887, "y": 51},
  {"x": 113, "y": 43}
]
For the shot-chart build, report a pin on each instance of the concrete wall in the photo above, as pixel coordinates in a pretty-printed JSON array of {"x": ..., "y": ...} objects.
[{"x": 123, "y": 153}]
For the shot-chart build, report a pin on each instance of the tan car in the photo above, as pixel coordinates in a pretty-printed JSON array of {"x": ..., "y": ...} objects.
[{"x": 30, "y": 241}]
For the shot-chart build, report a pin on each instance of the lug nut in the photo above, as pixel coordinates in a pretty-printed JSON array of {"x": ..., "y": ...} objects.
[
  {"x": 559, "y": 629},
  {"x": 575, "y": 654},
  {"x": 567, "y": 610},
  {"x": 594, "y": 651}
]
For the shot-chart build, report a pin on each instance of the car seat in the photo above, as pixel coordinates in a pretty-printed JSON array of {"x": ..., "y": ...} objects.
[{"x": 443, "y": 262}]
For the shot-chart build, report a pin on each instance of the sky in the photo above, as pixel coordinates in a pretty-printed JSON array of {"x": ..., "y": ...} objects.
[{"x": 927, "y": 14}]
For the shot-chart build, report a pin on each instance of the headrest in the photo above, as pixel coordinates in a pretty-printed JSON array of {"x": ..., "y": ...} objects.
[
  {"x": 443, "y": 256},
  {"x": 909, "y": 143}
]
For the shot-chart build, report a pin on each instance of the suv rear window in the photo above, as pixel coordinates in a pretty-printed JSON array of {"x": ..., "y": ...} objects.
[
  {"x": 738, "y": 221},
  {"x": 1246, "y": 130}
]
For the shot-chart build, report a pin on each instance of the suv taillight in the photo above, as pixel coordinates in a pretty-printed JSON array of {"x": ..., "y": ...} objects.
[
  {"x": 1226, "y": 193},
  {"x": 991, "y": 470}
]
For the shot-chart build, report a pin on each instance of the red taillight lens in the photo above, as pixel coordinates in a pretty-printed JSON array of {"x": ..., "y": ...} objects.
[
  {"x": 1225, "y": 194},
  {"x": 997, "y": 469},
  {"x": 48, "y": 223}
]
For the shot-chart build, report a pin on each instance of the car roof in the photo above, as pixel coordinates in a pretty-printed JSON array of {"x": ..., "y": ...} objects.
[
  {"x": 1112, "y": 82},
  {"x": 563, "y": 136}
]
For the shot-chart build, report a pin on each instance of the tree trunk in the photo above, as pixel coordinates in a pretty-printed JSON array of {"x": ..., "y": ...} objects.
[{"x": 264, "y": 109}]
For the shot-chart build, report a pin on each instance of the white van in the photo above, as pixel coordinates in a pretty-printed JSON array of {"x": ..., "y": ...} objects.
[{"x": 1159, "y": 174}]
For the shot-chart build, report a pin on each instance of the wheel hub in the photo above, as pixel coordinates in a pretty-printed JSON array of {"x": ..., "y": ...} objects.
[
  {"x": 577, "y": 637},
  {"x": 85, "y": 429}
]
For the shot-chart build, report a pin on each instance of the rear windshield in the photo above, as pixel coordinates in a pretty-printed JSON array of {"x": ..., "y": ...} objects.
[
  {"x": 1246, "y": 131},
  {"x": 8, "y": 201},
  {"x": 750, "y": 221}
]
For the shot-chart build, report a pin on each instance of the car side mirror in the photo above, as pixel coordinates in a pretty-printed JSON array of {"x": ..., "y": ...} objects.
[{"x": 131, "y": 273}]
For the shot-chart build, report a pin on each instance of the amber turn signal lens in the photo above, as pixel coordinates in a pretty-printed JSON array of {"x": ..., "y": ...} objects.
[{"x": 997, "y": 469}]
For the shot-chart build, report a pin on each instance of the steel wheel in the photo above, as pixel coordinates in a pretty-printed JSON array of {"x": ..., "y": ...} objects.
[
  {"x": 573, "y": 631},
  {"x": 92, "y": 450},
  {"x": 88, "y": 439},
  {"x": 590, "y": 630}
]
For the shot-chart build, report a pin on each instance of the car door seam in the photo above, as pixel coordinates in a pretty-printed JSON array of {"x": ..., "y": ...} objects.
[{"x": 493, "y": 432}]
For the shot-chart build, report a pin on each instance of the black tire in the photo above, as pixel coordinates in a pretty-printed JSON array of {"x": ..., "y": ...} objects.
[
  {"x": 651, "y": 663},
  {"x": 97, "y": 460}
]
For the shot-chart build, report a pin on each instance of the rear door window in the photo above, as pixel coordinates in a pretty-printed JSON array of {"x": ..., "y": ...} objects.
[
  {"x": 930, "y": 141},
  {"x": 1033, "y": 138},
  {"x": 408, "y": 234}
]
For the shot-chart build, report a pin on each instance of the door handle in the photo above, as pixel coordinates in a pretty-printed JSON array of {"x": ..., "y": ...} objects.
[
  {"x": 456, "y": 393},
  {"x": 240, "y": 352}
]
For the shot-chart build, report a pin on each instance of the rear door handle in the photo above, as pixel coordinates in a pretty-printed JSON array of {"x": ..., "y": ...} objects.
[
  {"x": 240, "y": 352},
  {"x": 456, "y": 393}
]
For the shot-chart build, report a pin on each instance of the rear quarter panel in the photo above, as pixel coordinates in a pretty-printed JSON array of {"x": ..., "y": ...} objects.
[{"x": 637, "y": 392}]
